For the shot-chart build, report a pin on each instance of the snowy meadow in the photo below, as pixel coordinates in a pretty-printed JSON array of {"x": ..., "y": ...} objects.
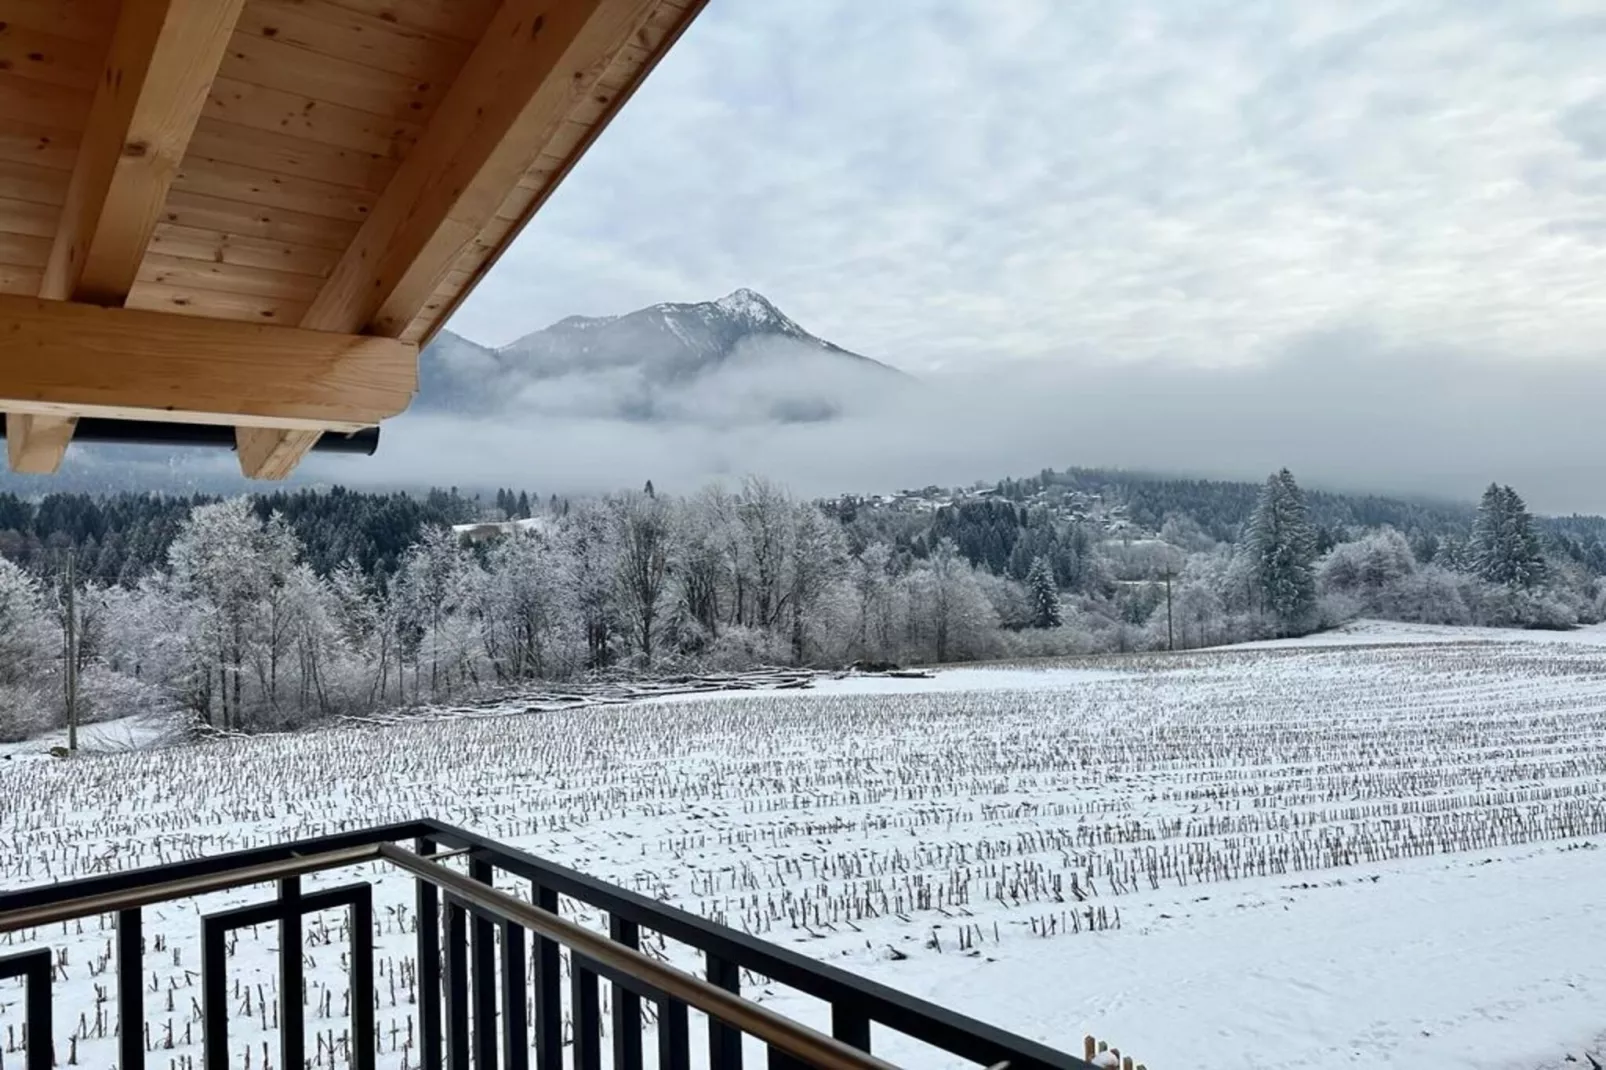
[{"x": 1375, "y": 847}]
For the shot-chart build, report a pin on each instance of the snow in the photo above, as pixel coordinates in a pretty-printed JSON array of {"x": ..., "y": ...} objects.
[
  {"x": 139, "y": 732},
  {"x": 1481, "y": 947},
  {"x": 1382, "y": 632}
]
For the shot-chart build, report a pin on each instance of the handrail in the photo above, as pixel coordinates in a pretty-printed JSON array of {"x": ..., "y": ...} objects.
[
  {"x": 794, "y": 1038},
  {"x": 110, "y": 902},
  {"x": 185, "y": 887}
]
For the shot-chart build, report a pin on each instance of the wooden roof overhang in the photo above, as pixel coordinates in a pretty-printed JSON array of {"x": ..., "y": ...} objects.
[{"x": 251, "y": 213}]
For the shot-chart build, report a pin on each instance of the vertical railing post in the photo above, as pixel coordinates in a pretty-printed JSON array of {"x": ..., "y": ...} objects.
[
  {"x": 456, "y": 985},
  {"x": 37, "y": 969},
  {"x": 484, "y": 985},
  {"x": 674, "y": 1036},
  {"x": 850, "y": 1026},
  {"x": 585, "y": 1007},
  {"x": 292, "y": 996},
  {"x": 214, "y": 998},
  {"x": 130, "y": 991},
  {"x": 429, "y": 969},
  {"x": 724, "y": 1042},
  {"x": 515, "y": 981},
  {"x": 362, "y": 982},
  {"x": 626, "y": 1004},
  {"x": 548, "y": 989}
]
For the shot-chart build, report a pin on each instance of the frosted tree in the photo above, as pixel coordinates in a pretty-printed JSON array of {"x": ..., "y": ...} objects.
[
  {"x": 231, "y": 567},
  {"x": 765, "y": 513},
  {"x": 702, "y": 568},
  {"x": 1043, "y": 594},
  {"x": 590, "y": 569},
  {"x": 643, "y": 539},
  {"x": 870, "y": 576},
  {"x": 433, "y": 586},
  {"x": 1505, "y": 549},
  {"x": 818, "y": 555},
  {"x": 1280, "y": 547},
  {"x": 28, "y": 644},
  {"x": 947, "y": 606}
]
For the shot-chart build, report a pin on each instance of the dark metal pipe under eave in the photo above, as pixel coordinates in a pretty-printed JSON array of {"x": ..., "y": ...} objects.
[{"x": 213, "y": 436}]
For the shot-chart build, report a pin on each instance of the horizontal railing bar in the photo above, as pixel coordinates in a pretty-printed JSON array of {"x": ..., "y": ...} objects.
[
  {"x": 796, "y": 1039},
  {"x": 233, "y": 861},
  {"x": 183, "y": 888}
]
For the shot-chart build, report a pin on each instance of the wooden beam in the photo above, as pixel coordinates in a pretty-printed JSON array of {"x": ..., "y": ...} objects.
[
  {"x": 152, "y": 86},
  {"x": 271, "y": 452},
  {"x": 35, "y": 444},
  {"x": 162, "y": 60},
  {"x": 536, "y": 60},
  {"x": 66, "y": 359}
]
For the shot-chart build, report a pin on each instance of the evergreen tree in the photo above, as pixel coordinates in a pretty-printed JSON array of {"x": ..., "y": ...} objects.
[
  {"x": 1044, "y": 595},
  {"x": 1505, "y": 549},
  {"x": 1281, "y": 547}
]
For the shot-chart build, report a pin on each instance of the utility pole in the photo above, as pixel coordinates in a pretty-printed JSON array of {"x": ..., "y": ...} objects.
[
  {"x": 1170, "y": 643},
  {"x": 70, "y": 658}
]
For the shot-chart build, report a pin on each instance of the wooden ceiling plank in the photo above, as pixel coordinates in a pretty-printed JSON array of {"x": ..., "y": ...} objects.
[
  {"x": 236, "y": 182},
  {"x": 42, "y": 103},
  {"x": 277, "y": 111},
  {"x": 199, "y": 301},
  {"x": 320, "y": 26},
  {"x": 460, "y": 20},
  {"x": 534, "y": 61},
  {"x": 275, "y": 64},
  {"x": 15, "y": 279},
  {"x": 227, "y": 278},
  {"x": 241, "y": 250},
  {"x": 24, "y": 250},
  {"x": 47, "y": 148},
  {"x": 45, "y": 57},
  {"x": 274, "y": 224},
  {"x": 81, "y": 20},
  {"x": 283, "y": 154},
  {"x": 163, "y": 57},
  {"x": 67, "y": 358},
  {"x": 28, "y": 217},
  {"x": 36, "y": 185}
]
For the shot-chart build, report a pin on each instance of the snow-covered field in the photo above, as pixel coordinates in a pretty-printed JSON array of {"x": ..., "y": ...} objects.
[{"x": 1377, "y": 847}]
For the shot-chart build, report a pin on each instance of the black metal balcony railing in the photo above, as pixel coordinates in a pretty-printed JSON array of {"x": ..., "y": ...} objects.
[{"x": 492, "y": 943}]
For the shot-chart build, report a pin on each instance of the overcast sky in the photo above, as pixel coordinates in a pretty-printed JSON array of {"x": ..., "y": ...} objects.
[{"x": 1245, "y": 197}]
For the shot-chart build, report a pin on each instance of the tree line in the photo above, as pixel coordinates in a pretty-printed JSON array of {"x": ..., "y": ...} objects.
[{"x": 279, "y": 610}]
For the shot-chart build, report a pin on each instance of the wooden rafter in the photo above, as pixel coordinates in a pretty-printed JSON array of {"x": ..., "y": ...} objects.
[
  {"x": 536, "y": 60},
  {"x": 349, "y": 166},
  {"x": 66, "y": 358},
  {"x": 160, "y": 65}
]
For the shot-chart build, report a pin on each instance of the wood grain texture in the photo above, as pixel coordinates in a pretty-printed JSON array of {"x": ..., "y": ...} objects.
[
  {"x": 536, "y": 59},
  {"x": 631, "y": 63},
  {"x": 65, "y": 359},
  {"x": 271, "y": 452},
  {"x": 164, "y": 55},
  {"x": 35, "y": 444}
]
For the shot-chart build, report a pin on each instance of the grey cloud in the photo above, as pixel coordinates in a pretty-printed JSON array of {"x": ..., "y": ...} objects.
[
  {"x": 1115, "y": 201},
  {"x": 1340, "y": 407}
]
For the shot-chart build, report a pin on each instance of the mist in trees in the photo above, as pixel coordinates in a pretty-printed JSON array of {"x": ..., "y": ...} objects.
[{"x": 243, "y": 624}]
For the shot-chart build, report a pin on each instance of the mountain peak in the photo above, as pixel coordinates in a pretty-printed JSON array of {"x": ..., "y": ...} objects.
[{"x": 752, "y": 306}]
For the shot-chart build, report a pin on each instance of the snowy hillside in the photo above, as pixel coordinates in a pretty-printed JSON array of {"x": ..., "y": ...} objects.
[{"x": 737, "y": 360}]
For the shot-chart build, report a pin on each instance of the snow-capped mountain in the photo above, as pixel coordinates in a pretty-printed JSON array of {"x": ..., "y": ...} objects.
[{"x": 737, "y": 360}]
